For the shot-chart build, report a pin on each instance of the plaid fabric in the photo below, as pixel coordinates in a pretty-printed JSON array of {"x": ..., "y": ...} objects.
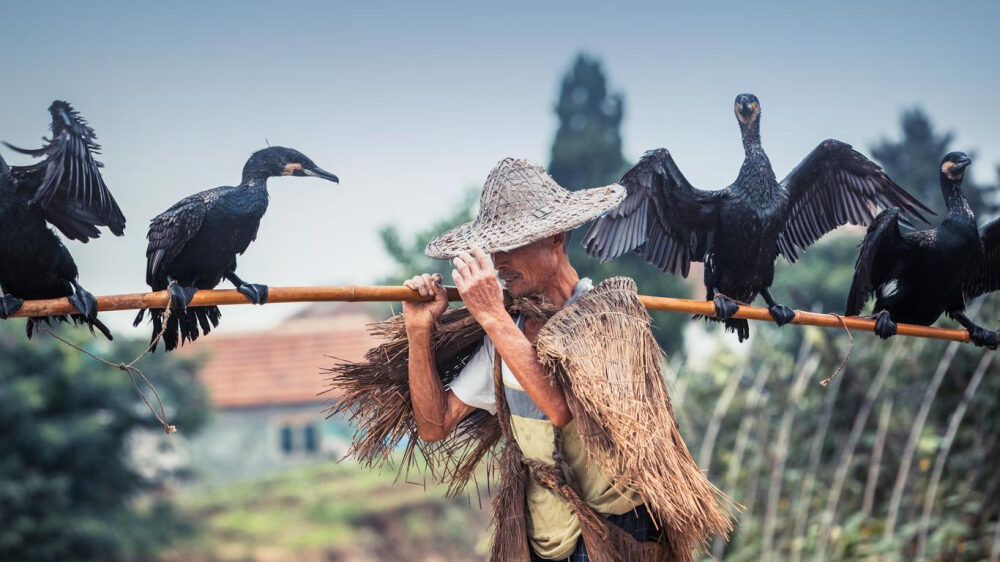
[{"x": 636, "y": 522}]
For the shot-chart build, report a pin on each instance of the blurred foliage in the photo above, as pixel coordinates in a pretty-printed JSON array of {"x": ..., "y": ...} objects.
[
  {"x": 816, "y": 515},
  {"x": 332, "y": 512},
  {"x": 67, "y": 484},
  {"x": 587, "y": 151}
]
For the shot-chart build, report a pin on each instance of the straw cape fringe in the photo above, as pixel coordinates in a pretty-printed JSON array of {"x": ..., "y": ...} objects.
[{"x": 602, "y": 352}]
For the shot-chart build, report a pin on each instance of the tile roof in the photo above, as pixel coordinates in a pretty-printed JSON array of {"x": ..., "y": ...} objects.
[{"x": 282, "y": 365}]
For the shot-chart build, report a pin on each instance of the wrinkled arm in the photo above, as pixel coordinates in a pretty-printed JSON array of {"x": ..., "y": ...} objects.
[{"x": 436, "y": 411}]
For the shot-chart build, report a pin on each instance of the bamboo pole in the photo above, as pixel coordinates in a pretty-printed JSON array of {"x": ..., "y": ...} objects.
[{"x": 352, "y": 293}]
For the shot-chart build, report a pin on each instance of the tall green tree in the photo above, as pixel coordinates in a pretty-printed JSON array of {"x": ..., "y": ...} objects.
[
  {"x": 68, "y": 488},
  {"x": 587, "y": 152},
  {"x": 913, "y": 162}
]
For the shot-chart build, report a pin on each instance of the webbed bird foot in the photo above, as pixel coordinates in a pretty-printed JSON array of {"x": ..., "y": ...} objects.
[
  {"x": 725, "y": 307},
  {"x": 84, "y": 301},
  {"x": 255, "y": 293},
  {"x": 884, "y": 326},
  {"x": 983, "y": 337},
  {"x": 181, "y": 296},
  {"x": 9, "y": 305},
  {"x": 782, "y": 314}
]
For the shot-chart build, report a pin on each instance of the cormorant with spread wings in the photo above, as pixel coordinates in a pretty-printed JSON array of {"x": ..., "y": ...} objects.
[
  {"x": 66, "y": 190},
  {"x": 739, "y": 231},
  {"x": 917, "y": 275},
  {"x": 193, "y": 244}
]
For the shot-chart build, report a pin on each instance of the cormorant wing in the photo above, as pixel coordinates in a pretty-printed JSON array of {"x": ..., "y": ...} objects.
[
  {"x": 662, "y": 217},
  {"x": 984, "y": 277},
  {"x": 171, "y": 230},
  {"x": 68, "y": 188},
  {"x": 835, "y": 185},
  {"x": 882, "y": 251}
]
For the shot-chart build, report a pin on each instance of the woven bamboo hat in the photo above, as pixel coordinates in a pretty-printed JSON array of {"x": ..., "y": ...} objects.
[{"x": 521, "y": 204}]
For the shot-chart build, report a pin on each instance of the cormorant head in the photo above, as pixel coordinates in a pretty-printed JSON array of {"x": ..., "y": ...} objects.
[
  {"x": 747, "y": 108},
  {"x": 280, "y": 161},
  {"x": 65, "y": 117},
  {"x": 954, "y": 164}
]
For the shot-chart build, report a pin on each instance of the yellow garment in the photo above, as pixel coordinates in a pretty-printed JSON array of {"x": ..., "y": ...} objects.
[{"x": 554, "y": 528}]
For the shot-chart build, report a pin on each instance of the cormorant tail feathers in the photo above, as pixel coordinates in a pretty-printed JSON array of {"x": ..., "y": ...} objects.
[
  {"x": 77, "y": 320},
  {"x": 183, "y": 325},
  {"x": 738, "y": 325}
]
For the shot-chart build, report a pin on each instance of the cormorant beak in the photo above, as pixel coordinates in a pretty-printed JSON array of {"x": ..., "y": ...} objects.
[
  {"x": 962, "y": 164},
  {"x": 321, "y": 173},
  {"x": 745, "y": 109}
]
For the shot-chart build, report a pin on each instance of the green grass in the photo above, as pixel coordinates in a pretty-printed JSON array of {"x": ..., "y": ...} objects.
[{"x": 331, "y": 511}]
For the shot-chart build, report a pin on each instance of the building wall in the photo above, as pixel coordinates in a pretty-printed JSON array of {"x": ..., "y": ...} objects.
[{"x": 244, "y": 442}]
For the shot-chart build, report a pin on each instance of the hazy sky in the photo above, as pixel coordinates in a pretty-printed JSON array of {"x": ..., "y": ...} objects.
[{"x": 412, "y": 105}]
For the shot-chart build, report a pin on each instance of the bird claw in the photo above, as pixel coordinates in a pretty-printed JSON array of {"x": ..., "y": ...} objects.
[
  {"x": 983, "y": 338},
  {"x": 84, "y": 301},
  {"x": 782, "y": 314},
  {"x": 9, "y": 304},
  {"x": 884, "y": 326},
  {"x": 181, "y": 296},
  {"x": 255, "y": 293},
  {"x": 725, "y": 308}
]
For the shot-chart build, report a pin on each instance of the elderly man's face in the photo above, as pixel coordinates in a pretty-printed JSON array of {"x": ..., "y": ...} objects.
[{"x": 528, "y": 269}]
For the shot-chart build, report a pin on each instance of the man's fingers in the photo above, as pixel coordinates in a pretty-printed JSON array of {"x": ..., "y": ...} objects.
[
  {"x": 437, "y": 285},
  {"x": 484, "y": 261},
  {"x": 459, "y": 280},
  {"x": 428, "y": 285},
  {"x": 413, "y": 283},
  {"x": 469, "y": 261},
  {"x": 462, "y": 266}
]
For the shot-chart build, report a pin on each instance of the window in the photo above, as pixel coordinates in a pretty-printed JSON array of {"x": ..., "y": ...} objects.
[
  {"x": 312, "y": 443},
  {"x": 302, "y": 439},
  {"x": 286, "y": 440}
]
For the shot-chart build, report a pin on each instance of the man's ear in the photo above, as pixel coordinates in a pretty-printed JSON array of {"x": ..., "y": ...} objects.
[{"x": 558, "y": 239}]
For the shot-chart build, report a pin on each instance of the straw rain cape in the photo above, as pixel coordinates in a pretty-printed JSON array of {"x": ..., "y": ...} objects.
[
  {"x": 601, "y": 351},
  {"x": 603, "y": 354}
]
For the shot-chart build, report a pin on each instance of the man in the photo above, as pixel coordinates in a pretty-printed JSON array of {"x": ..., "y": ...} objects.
[{"x": 522, "y": 225}]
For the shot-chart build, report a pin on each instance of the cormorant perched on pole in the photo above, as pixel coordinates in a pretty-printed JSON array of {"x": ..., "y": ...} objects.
[
  {"x": 67, "y": 190},
  {"x": 193, "y": 244},
  {"x": 917, "y": 275},
  {"x": 740, "y": 230}
]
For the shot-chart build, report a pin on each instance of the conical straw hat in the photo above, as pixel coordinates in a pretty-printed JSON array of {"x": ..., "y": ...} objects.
[{"x": 520, "y": 205}]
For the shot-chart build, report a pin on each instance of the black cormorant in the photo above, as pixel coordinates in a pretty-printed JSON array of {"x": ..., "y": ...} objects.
[
  {"x": 67, "y": 190},
  {"x": 739, "y": 231},
  {"x": 193, "y": 244},
  {"x": 917, "y": 275}
]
